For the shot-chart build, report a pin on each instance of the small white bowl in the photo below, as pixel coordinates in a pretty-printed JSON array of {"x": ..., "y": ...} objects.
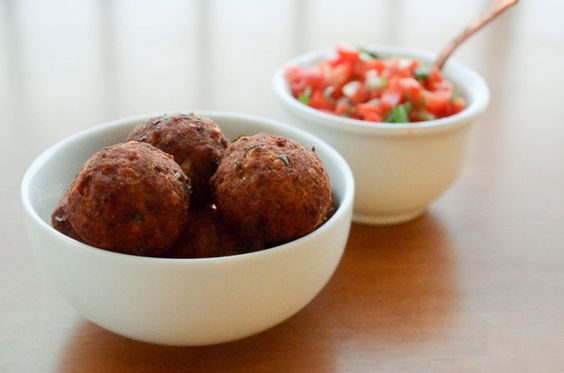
[
  {"x": 399, "y": 168},
  {"x": 182, "y": 301}
]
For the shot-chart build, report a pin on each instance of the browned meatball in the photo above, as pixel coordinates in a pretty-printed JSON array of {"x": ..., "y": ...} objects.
[
  {"x": 130, "y": 198},
  {"x": 60, "y": 222},
  {"x": 206, "y": 236},
  {"x": 272, "y": 189},
  {"x": 196, "y": 143}
]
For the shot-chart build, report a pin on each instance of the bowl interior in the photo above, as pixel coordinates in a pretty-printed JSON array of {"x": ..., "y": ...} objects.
[{"x": 47, "y": 178}]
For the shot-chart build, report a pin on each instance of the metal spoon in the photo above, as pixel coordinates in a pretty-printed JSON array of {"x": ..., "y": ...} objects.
[{"x": 476, "y": 25}]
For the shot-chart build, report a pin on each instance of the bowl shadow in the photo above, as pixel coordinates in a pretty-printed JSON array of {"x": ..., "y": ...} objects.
[
  {"x": 396, "y": 284},
  {"x": 395, "y": 287},
  {"x": 93, "y": 349}
]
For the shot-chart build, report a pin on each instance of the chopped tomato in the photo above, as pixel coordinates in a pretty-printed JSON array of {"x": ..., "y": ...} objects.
[
  {"x": 375, "y": 64},
  {"x": 348, "y": 54},
  {"x": 411, "y": 89},
  {"x": 437, "y": 103},
  {"x": 369, "y": 112},
  {"x": 343, "y": 107},
  {"x": 435, "y": 78},
  {"x": 319, "y": 101},
  {"x": 458, "y": 104},
  {"x": 358, "y": 84},
  {"x": 300, "y": 79},
  {"x": 340, "y": 75}
]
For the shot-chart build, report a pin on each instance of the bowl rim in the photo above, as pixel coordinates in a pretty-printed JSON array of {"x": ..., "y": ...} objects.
[
  {"x": 46, "y": 155},
  {"x": 466, "y": 77}
]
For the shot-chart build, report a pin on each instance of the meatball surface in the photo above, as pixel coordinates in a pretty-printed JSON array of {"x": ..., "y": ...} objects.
[
  {"x": 196, "y": 143},
  {"x": 272, "y": 189},
  {"x": 206, "y": 236},
  {"x": 60, "y": 221},
  {"x": 130, "y": 198}
]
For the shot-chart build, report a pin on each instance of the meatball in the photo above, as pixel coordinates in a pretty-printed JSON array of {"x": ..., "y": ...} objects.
[
  {"x": 206, "y": 236},
  {"x": 272, "y": 189},
  {"x": 196, "y": 143},
  {"x": 60, "y": 222},
  {"x": 130, "y": 198}
]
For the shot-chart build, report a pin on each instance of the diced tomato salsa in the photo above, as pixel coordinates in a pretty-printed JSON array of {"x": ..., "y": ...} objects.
[{"x": 356, "y": 83}]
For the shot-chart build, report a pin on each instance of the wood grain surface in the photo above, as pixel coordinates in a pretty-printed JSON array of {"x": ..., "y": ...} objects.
[{"x": 476, "y": 284}]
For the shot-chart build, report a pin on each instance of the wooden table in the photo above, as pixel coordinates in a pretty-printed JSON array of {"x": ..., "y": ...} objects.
[{"x": 476, "y": 284}]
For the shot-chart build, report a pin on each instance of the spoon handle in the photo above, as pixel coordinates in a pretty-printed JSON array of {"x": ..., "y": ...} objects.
[{"x": 472, "y": 28}]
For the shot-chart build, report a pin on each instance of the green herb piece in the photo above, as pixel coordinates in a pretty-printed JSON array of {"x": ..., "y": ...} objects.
[
  {"x": 397, "y": 115},
  {"x": 422, "y": 73},
  {"x": 249, "y": 148},
  {"x": 313, "y": 149},
  {"x": 235, "y": 139},
  {"x": 283, "y": 158},
  {"x": 305, "y": 96},
  {"x": 455, "y": 94},
  {"x": 137, "y": 218},
  {"x": 401, "y": 115},
  {"x": 366, "y": 54}
]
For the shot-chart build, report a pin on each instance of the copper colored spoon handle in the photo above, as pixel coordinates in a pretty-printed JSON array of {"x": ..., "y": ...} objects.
[{"x": 472, "y": 28}]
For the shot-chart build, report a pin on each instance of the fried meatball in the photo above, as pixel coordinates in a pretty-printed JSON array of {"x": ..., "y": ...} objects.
[
  {"x": 60, "y": 222},
  {"x": 272, "y": 189},
  {"x": 206, "y": 236},
  {"x": 196, "y": 143},
  {"x": 130, "y": 198}
]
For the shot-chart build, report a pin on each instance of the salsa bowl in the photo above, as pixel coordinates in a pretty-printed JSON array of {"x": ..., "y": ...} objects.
[
  {"x": 182, "y": 301},
  {"x": 399, "y": 168}
]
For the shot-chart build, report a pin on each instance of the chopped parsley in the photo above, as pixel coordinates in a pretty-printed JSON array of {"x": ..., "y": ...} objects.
[
  {"x": 367, "y": 54},
  {"x": 305, "y": 96},
  {"x": 284, "y": 159},
  {"x": 398, "y": 114},
  {"x": 455, "y": 93},
  {"x": 422, "y": 73},
  {"x": 235, "y": 139}
]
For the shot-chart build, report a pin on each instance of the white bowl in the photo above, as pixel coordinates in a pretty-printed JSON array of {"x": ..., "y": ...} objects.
[
  {"x": 399, "y": 168},
  {"x": 182, "y": 301}
]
